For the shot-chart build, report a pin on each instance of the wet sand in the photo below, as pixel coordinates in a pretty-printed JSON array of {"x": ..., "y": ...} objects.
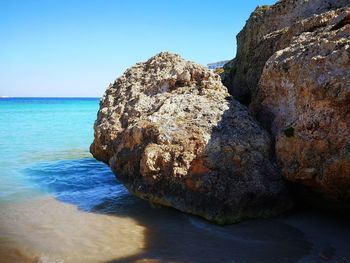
[
  {"x": 129, "y": 230},
  {"x": 52, "y": 231}
]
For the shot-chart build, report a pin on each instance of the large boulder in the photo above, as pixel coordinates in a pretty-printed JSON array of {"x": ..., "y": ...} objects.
[
  {"x": 172, "y": 134},
  {"x": 304, "y": 99},
  {"x": 269, "y": 29}
]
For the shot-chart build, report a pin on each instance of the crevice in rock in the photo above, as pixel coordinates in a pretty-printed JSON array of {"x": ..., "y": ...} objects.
[{"x": 342, "y": 23}]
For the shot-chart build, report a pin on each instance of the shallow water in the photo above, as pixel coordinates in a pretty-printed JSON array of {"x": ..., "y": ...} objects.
[{"x": 60, "y": 205}]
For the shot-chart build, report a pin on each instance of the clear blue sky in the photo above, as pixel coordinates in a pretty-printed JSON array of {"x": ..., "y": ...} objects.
[{"x": 77, "y": 47}]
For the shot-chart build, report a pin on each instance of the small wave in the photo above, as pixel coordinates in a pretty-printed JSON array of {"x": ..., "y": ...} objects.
[
  {"x": 227, "y": 232},
  {"x": 83, "y": 182},
  {"x": 211, "y": 229}
]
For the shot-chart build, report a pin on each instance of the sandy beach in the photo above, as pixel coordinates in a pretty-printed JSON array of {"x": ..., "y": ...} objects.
[{"x": 47, "y": 230}]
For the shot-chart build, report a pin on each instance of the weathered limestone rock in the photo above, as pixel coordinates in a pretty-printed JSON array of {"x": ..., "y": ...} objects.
[
  {"x": 173, "y": 135},
  {"x": 269, "y": 29},
  {"x": 304, "y": 98}
]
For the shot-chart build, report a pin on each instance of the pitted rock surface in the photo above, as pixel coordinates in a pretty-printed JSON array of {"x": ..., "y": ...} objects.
[{"x": 172, "y": 134}]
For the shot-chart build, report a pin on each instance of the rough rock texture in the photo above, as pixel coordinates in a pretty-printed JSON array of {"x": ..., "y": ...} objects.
[
  {"x": 269, "y": 29},
  {"x": 304, "y": 98},
  {"x": 173, "y": 135}
]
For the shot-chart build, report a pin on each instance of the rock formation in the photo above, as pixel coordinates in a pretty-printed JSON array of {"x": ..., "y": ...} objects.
[
  {"x": 261, "y": 38},
  {"x": 304, "y": 98},
  {"x": 293, "y": 64},
  {"x": 173, "y": 135}
]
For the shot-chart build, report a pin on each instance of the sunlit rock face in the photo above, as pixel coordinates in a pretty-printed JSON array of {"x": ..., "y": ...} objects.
[
  {"x": 267, "y": 31},
  {"x": 172, "y": 134},
  {"x": 304, "y": 98}
]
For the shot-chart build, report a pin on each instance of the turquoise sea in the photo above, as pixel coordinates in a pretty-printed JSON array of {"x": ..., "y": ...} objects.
[
  {"x": 44, "y": 149},
  {"x": 58, "y": 204}
]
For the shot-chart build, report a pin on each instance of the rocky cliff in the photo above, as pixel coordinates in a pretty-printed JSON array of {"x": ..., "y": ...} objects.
[
  {"x": 173, "y": 136},
  {"x": 293, "y": 64},
  {"x": 304, "y": 98},
  {"x": 261, "y": 37}
]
